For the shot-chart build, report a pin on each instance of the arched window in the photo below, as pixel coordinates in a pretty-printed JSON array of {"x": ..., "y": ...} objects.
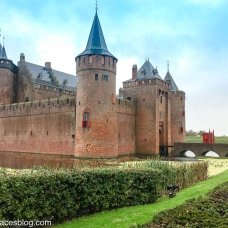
[{"x": 85, "y": 121}]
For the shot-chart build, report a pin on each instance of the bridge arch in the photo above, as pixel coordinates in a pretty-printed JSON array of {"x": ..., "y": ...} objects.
[{"x": 210, "y": 153}]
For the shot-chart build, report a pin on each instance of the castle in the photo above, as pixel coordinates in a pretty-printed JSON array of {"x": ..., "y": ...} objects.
[{"x": 44, "y": 112}]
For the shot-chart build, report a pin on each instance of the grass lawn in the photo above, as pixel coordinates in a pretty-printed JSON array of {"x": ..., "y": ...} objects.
[
  {"x": 129, "y": 216},
  {"x": 195, "y": 139}
]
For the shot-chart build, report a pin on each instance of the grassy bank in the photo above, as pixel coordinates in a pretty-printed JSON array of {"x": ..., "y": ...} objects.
[{"x": 129, "y": 216}]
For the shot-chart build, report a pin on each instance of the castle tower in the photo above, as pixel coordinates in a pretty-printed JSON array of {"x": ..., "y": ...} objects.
[
  {"x": 96, "y": 118},
  {"x": 177, "y": 98},
  {"x": 7, "y": 78}
]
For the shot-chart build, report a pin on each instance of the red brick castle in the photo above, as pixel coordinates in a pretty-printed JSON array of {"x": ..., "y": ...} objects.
[{"x": 47, "y": 113}]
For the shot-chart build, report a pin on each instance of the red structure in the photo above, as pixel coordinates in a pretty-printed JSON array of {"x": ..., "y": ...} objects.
[{"x": 209, "y": 137}]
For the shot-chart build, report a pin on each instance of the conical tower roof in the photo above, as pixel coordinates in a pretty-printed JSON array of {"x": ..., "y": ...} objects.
[
  {"x": 169, "y": 79},
  {"x": 96, "y": 44},
  {"x": 3, "y": 52},
  {"x": 0, "y": 50}
]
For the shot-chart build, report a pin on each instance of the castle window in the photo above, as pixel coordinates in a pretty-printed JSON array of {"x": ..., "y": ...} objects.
[
  {"x": 84, "y": 60},
  {"x": 85, "y": 121},
  {"x": 105, "y": 77},
  {"x": 102, "y": 60},
  {"x": 181, "y": 130},
  {"x": 90, "y": 60},
  {"x": 113, "y": 63},
  {"x": 79, "y": 61},
  {"x": 161, "y": 99},
  {"x": 109, "y": 61},
  {"x": 26, "y": 99},
  {"x": 96, "y": 76}
]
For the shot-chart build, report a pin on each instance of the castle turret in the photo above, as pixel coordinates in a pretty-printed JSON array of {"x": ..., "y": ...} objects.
[
  {"x": 96, "y": 118},
  {"x": 7, "y": 78},
  {"x": 177, "y": 110}
]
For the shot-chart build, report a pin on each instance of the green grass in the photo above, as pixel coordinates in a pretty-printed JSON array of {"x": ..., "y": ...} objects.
[
  {"x": 195, "y": 139},
  {"x": 130, "y": 216}
]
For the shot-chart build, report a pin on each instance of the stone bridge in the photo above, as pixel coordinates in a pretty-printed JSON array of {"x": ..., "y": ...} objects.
[{"x": 200, "y": 149}]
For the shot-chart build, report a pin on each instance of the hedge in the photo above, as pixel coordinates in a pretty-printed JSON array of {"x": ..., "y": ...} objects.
[
  {"x": 58, "y": 195},
  {"x": 210, "y": 211}
]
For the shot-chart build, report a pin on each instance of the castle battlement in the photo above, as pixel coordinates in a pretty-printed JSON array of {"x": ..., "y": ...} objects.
[
  {"x": 144, "y": 82},
  {"x": 178, "y": 93},
  {"x": 125, "y": 106},
  {"x": 36, "y": 107}
]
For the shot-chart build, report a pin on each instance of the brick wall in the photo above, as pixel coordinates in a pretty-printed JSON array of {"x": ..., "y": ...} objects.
[
  {"x": 149, "y": 113},
  {"x": 38, "y": 127},
  {"x": 178, "y": 116},
  {"x": 96, "y": 96},
  {"x": 126, "y": 127}
]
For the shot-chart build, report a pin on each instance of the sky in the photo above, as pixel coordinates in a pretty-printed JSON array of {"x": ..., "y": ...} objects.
[{"x": 191, "y": 34}]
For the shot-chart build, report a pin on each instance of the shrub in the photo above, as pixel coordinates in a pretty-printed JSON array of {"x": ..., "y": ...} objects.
[
  {"x": 183, "y": 174},
  {"x": 61, "y": 194},
  {"x": 202, "y": 212}
]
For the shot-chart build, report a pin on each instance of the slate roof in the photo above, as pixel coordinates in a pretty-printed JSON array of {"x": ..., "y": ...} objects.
[
  {"x": 96, "y": 43},
  {"x": 41, "y": 75},
  {"x": 148, "y": 71},
  {"x": 169, "y": 79},
  {"x": 2, "y": 52}
]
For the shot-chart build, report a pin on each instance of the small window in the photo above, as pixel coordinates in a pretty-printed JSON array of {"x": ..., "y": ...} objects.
[
  {"x": 105, "y": 77},
  {"x": 96, "y": 76},
  {"x": 102, "y": 60},
  {"x": 181, "y": 130},
  {"x": 161, "y": 99},
  {"x": 109, "y": 61},
  {"x": 26, "y": 99},
  {"x": 90, "y": 60},
  {"x": 85, "y": 121}
]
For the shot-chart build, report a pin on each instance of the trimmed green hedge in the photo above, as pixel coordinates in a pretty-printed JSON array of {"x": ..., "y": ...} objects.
[
  {"x": 58, "y": 195},
  {"x": 210, "y": 211}
]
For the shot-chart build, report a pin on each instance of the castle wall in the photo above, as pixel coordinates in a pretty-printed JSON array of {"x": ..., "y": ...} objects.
[
  {"x": 38, "y": 127},
  {"x": 178, "y": 116},
  {"x": 126, "y": 127}
]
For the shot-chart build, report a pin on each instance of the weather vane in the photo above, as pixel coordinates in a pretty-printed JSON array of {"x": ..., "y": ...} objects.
[{"x": 96, "y": 8}]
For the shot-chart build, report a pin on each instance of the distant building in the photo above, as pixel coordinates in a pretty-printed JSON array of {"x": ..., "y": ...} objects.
[{"x": 45, "y": 112}]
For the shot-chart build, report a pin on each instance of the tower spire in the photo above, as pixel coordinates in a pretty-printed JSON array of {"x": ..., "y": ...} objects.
[
  {"x": 96, "y": 7},
  {"x": 96, "y": 42},
  {"x": 168, "y": 66}
]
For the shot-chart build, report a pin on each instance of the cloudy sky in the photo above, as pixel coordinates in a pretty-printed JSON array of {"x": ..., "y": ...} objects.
[{"x": 191, "y": 34}]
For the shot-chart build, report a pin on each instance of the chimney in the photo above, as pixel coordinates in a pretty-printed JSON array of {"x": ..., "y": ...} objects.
[
  {"x": 48, "y": 65},
  {"x": 22, "y": 57},
  {"x": 134, "y": 71}
]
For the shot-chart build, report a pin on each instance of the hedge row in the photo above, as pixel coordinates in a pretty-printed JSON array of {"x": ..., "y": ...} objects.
[
  {"x": 62, "y": 194},
  {"x": 58, "y": 195},
  {"x": 201, "y": 212}
]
